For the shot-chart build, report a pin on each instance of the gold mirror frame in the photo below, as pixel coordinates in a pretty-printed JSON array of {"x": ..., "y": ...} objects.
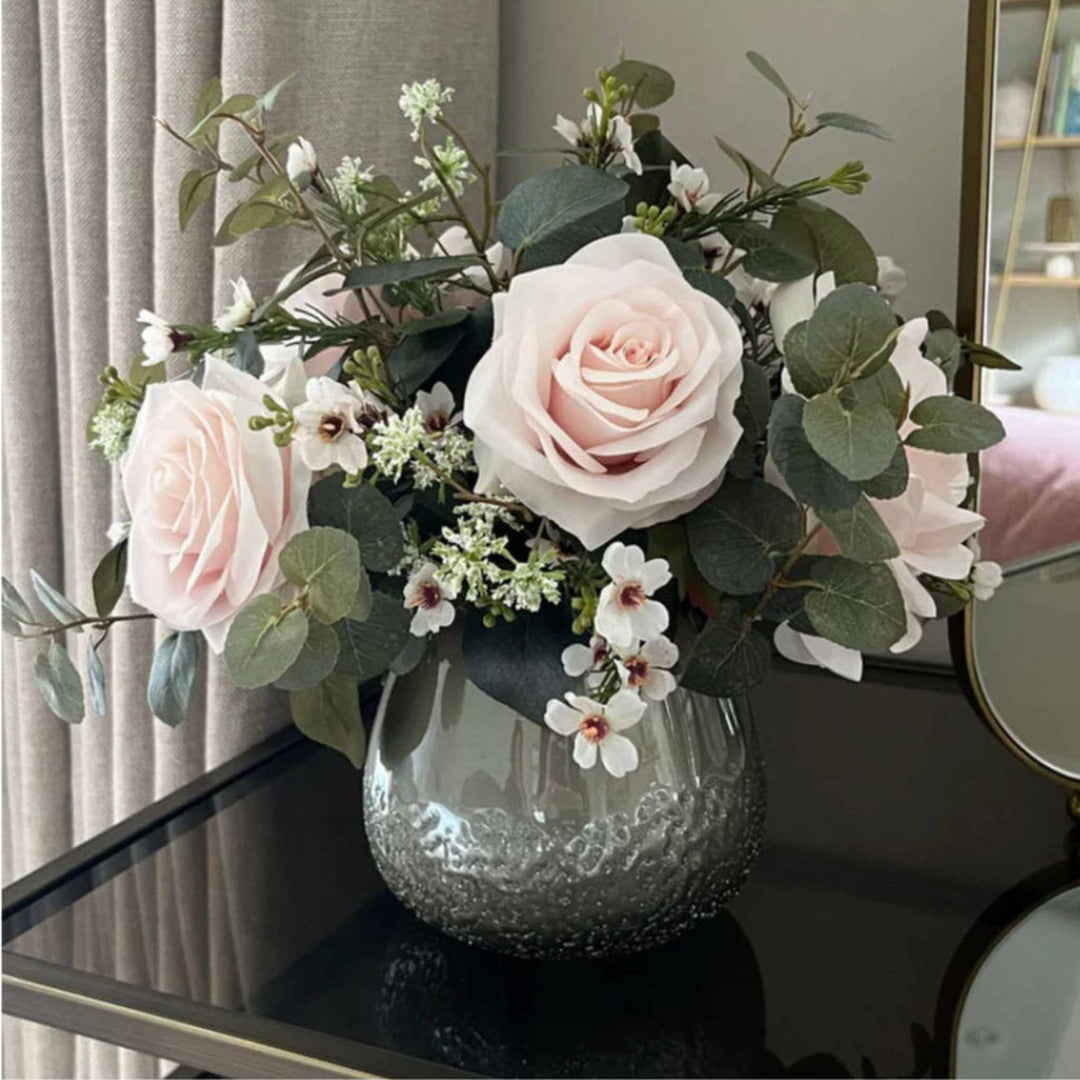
[{"x": 971, "y": 298}]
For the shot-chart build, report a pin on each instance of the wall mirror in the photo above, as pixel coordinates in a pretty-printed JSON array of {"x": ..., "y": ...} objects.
[{"x": 1019, "y": 292}]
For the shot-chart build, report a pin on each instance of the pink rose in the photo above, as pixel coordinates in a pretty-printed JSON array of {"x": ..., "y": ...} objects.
[
  {"x": 607, "y": 397},
  {"x": 212, "y": 502}
]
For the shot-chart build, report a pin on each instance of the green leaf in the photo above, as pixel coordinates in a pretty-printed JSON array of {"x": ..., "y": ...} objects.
[
  {"x": 687, "y": 255},
  {"x": 316, "y": 661},
  {"x": 802, "y": 365},
  {"x": 811, "y": 478},
  {"x": 196, "y": 187},
  {"x": 768, "y": 256},
  {"x": 269, "y": 99},
  {"x": 943, "y": 347},
  {"x": 168, "y": 693},
  {"x": 54, "y": 602},
  {"x": 860, "y": 533},
  {"x": 858, "y": 605},
  {"x": 109, "y": 578},
  {"x": 952, "y": 425},
  {"x": 367, "y": 648},
  {"x": 10, "y": 624},
  {"x": 729, "y": 657},
  {"x": 719, "y": 288},
  {"x": 330, "y": 714},
  {"x": 828, "y": 240},
  {"x": 59, "y": 684},
  {"x": 545, "y": 203},
  {"x": 763, "y": 67},
  {"x": 389, "y": 273},
  {"x": 755, "y": 400},
  {"x": 414, "y": 651},
  {"x": 884, "y": 387},
  {"x": 859, "y": 440},
  {"x": 13, "y": 602},
  {"x": 449, "y": 317},
  {"x": 208, "y": 100},
  {"x": 753, "y": 171},
  {"x": 657, "y": 152},
  {"x": 95, "y": 670},
  {"x": 558, "y": 246},
  {"x": 278, "y": 142},
  {"x": 262, "y": 643},
  {"x": 893, "y": 481},
  {"x": 984, "y": 356},
  {"x": 668, "y": 541},
  {"x": 365, "y": 513},
  {"x": 326, "y": 561},
  {"x": 738, "y": 536},
  {"x": 418, "y": 356},
  {"x": 246, "y": 354},
  {"x": 642, "y": 123},
  {"x": 850, "y": 122},
  {"x": 651, "y": 85},
  {"x": 850, "y": 331}
]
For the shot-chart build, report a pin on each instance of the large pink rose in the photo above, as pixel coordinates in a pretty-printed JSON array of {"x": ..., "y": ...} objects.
[
  {"x": 607, "y": 398},
  {"x": 212, "y": 502}
]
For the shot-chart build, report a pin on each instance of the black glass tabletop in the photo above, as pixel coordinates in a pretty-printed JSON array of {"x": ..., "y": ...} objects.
[{"x": 249, "y": 905}]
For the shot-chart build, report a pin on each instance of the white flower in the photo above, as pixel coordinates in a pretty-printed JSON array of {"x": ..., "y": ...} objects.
[
  {"x": 330, "y": 427},
  {"x": 986, "y": 577},
  {"x": 570, "y": 131},
  {"x": 597, "y": 726},
  {"x": 795, "y": 301},
  {"x": 239, "y": 311},
  {"x": 456, "y": 241},
  {"x": 818, "y": 652},
  {"x": 158, "y": 337},
  {"x": 891, "y": 278},
  {"x": 624, "y": 612},
  {"x": 748, "y": 289},
  {"x": 644, "y": 667},
  {"x": 437, "y": 407},
  {"x": 423, "y": 101},
  {"x": 301, "y": 162},
  {"x": 622, "y": 136},
  {"x": 431, "y": 599},
  {"x": 577, "y": 659},
  {"x": 117, "y": 531},
  {"x": 690, "y": 187},
  {"x": 349, "y": 177}
]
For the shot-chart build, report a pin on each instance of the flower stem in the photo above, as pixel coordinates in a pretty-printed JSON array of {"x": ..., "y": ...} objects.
[{"x": 100, "y": 622}]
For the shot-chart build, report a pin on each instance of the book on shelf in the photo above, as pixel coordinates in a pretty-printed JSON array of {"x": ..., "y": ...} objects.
[
  {"x": 1050, "y": 92},
  {"x": 1060, "y": 113},
  {"x": 1071, "y": 122}
]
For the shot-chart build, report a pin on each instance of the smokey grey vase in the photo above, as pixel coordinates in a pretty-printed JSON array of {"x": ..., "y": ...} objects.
[{"x": 480, "y": 821}]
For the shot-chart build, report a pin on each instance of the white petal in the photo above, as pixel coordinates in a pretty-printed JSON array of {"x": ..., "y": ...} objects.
[
  {"x": 650, "y": 620},
  {"x": 612, "y": 621},
  {"x": 567, "y": 129},
  {"x": 614, "y": 561},
  {"x": 576, "y": 660},
  {"x": 419, "y": 625},
  {"x": 619, "y": 755},
  {"x": 561, "y": 717},
  {"x": 316, "y": 453},
  {"x": 658, "y": 684},
  {"x": 661, "y": 653},
  {"x": 655, "y": 574},
  {"x": 584, "y": 751},
  {"x": 624, "y": 709},
  {"x": 634, "y": 561},
  {"x": 838, "y": 659}
]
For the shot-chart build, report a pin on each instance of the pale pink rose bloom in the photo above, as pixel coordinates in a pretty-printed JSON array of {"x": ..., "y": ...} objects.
[
  {"x": 607, "y": 397},
  {"x": 211, "y": 501}
]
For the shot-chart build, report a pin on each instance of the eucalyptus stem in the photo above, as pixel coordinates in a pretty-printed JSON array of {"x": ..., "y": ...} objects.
[
  {"x": 484, "y": 172},
  {"x": 463, "y": 493},
  {"x": 778, "y": 580},
  {"x": 99, "y": 622}
]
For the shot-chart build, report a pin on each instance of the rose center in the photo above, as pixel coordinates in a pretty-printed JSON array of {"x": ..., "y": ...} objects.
[
  {"x": 637, "y": 670},
  {"x": 637, "y": 353},
  {"x": 594, "y": 728},
  {"x": 331, "y": 426},
  {"x": 430, "y": 595},
  {"x": 631, "y": 595}
]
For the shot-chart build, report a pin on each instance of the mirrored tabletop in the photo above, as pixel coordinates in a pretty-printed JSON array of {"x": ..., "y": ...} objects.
[{"x": 244, "y": 914}]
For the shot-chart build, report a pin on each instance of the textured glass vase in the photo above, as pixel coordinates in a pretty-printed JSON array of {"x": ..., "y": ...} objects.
[{"x": 483, "y": 825}]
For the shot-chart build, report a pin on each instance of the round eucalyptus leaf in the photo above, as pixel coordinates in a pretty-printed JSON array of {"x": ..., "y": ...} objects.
[
  {"x": 326, "y": 561},
  {"x": 316, "y": 660},
  {"x": 59, "y": 684},
  {"x": 262, "y": 644}
]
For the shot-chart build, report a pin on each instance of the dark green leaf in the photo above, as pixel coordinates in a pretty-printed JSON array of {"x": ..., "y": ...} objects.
[
  {"x": 109, "y": 578},
  {"x": 316, "y": 661},
  {"x": 859, "y": 605},
  {"x": 59, "y": 684},
  {"x": 828, "y": 240},
  {"x": 361, "y": 607},
  {"x": 367, "y": 648},
  {"x": 465, "y": 351},
  {"x": 10, "y": 624},
  {"x": 892, "y": 482},
  {"x": 389, "y": 273},
  {"x": 755, "y": 400},
  {"x": 668, "y": 541},
  {"x": 168, "y": 692},
  {"x": 729, "y": 657},
  {"x": 558, "y": 246},
  {"x": 13, "y": 602},
  {"x": 651, "y": 85},
  {"x": 330, "y": 714},
  {"x": 196, "y": 187},
  {"x": 860, "y": 533},
  {"x": 363, "y": 512},
  {"x": 719, "y": 288},
  {"x": 543, "y": 204},
  {"x": 943, "y": 347},
  {"x": 768, "y": 256},
  {"x": 763, "y": 67},
  {"x": 54, "y": 601},
  {"x": 688, "y": 256},
  {"x": 657, "y": 153},
  {"x": 849, "y": 122},
  {"x": 859, "y": 440},
  {"x": 952, "y": 425},
  {"x": 95, "y": 670},
  {"x": 850, "y": 331},
  {"x": 449, "y": 317},
  {"x": 753, "y": 171},
  {"x": 641, "y": 123},
  {"x": 326, "y": 561},
  {"x": 246, "y": 354},
  {"x": 984, "y": 356},
  {"x": 739, "y": 536},
  {"x": 419, "y": 356},
  {"x": 884, "y": 387},
  {"x": 262, "y": 643}
]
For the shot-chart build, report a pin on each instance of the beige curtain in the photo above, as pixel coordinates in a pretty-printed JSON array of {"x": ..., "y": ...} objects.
[{"x": 90, "y": 236}]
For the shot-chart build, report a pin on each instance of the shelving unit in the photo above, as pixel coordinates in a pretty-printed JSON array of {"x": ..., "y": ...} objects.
[
  {"x": 1041, "y": 142},
  {"x": 1037, "y": 281}
]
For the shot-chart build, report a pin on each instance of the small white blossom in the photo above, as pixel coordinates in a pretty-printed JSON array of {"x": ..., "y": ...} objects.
[
  {"x": 622, "y": 136},
  {"x": 469, "y": 556},
  {"x": 423, "y": 101},
  {"x": 395, "y": 440},
  {"x": 239, "y": 311},
  {"x": 644, "y": 667},
  {"x": 625, "y": 612},
  {"x": 158, "y": 338},
  {"x": 891, "y": 279},
  {"x": 597, "y": 727},
  {"x": 528, "y": 584},
  {"x": 570, "y": 131},
  {"x": 111, "y": 427},
  {"x": 118, "y": 531},
  {"x": 331, "y": 427},
  {"x": 986, "y": 577},
  {"x": 301, "y": 163},
  {"x": 451, "y": 164},
  {"x": 578, "y": 659},
  {"x": 348, "y": 179},
  {"x": 690, "y": 187},
  {"x": 431, "y": 599},
  {"x": 437, "y": 407}
]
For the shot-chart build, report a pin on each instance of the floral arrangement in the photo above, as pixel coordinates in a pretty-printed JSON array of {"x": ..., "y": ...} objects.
[{"x": 625, "y": 431}]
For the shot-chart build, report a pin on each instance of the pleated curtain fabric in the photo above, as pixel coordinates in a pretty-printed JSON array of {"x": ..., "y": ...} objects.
[{"x": 90, "y": 236}]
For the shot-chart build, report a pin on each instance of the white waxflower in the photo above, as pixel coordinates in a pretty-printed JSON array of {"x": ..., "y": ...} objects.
[
  {"x": 117, "y": 531},
  {"x": 597, "y": 727},
  {"x": 644, "y": 668},
  {"x": 690, "y": 187},
  {"x": 891, "y": 278},
  {"x": 570, "y": 131},
  {"x": 423, "y": 101},
  {"x": 578, "y": 659},
  {"x": 431, "y": 599},
  {"x": 437, "y": 408},
  {"x": 301, "y": 162},
  {"x": 331, "y": 428},
  {"x": 158, "y": 338},
  {"x": 986, "y": 577},
  {"x": 622, "y": 135},
  {"x": 239, "y": 312},
  {"x": 348, "y": 179},
  {"x": 625, "y": 613}
]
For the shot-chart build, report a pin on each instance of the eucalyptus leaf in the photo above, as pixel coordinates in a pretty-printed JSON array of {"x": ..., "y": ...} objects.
[
  {"x": 269, "y": 99},
  {"x": 95, "y": 671},
  {"x": 651, "y": 85},
  {"x": 656, "y": 152},
  {"x": 850, "y": 331},
  {"x": 884, "y": 387},
  {"x": 643, "y": 122},
  {"x": 246, "y": 354},
  {"x": 687, "y": 255},
  {"x": 57, "y": 605},
  {"x": 168, "y": 693},
  {"x": 208, "y": 99},
  {"x": 242, "y": 170},
  {"x": 316, "y": 661},
  {"x": 14, "y": 602},
  {"x": 368, "y": 647},
  {"x": 860, "y": 533},
  {"x": 767, "y": 256},
  {"x": 414, "y": 650},
  {"x": 755, "y": 400},
  {"x": 326, "y": 561},
  {"x": 952, "y": 425},
  {"x": 828, "y": 240},
  {"x": 858, "y": 440},
  {"x": 390, "y": 273},
  {"x": 850, "y": 122},
  {"x": 753, "y": 170},
  {"x": 558, "y": 246},
  {"x": 59, "y": 684},
  {"x": 729, "y": 657},
  {"x": 449, "y": 317},
  {"x": 856, "y": 605},
  {"x": 262, "y": 643},
  {"x": 363, "y": 601},
  {"x": 763, "y": 67},
  {"x": 943, "y": 347},
  {"x": 365, "y": 513},
  {"x": 419, "y": 356},
  {"x": 196, "y": 187},
  {"x": 10, "y": 624},
  {"x": 329, "y": 713},
  {"x": 109, "y": 578},
  {"x": 891, "y": 483},
  {"x": 719, "y": 288},
  {"x": 541, "y": 205},
  {"x": 739, "y": 535}
]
